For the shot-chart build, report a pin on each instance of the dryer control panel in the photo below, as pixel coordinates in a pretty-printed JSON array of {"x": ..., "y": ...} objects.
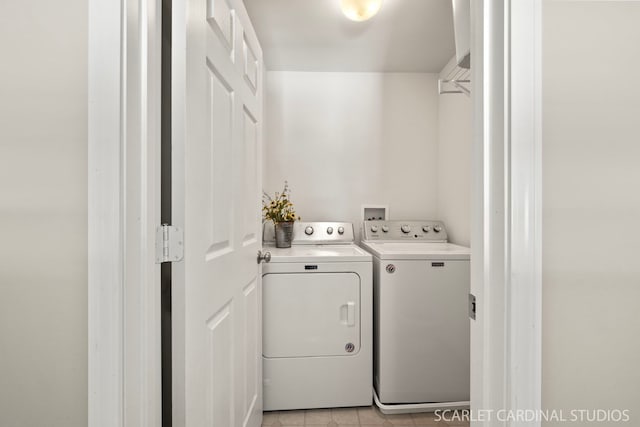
[
  {"x": 403, "y": 231},
  {"x": 314, "y": 233}
]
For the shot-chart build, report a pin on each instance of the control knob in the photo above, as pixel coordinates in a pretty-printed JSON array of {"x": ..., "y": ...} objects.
[
  {"x": 329, "y": 230},
  {"x": 308, "y": 231},
  {"x": 374, "y": 228},
  {"x": 437, "y": 228},
  {"x": 405, "y": 229},
  {"x": 385, "y": 228},
  {"x": 340, "y": 230},
  {"x": 426, "y": 228}
]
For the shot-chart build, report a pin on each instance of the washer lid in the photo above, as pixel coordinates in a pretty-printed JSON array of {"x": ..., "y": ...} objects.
[
  {"x": 318, "y": 253},
  {"x": 416, "y": 250}
]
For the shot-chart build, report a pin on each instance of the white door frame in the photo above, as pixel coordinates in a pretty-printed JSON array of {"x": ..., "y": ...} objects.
[
  {"x": 124, "y": 284},
  {"x": 124, "y": 209},
  {"x": 506, "y": 357}
]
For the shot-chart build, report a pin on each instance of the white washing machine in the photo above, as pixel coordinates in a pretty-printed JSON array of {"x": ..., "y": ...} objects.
[
  {"x": 317, "y": 320},
  {"x": 421, "y": 323}
]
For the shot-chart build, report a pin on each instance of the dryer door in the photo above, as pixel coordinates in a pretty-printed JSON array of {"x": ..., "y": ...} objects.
[{"x": 311, "y": 314}]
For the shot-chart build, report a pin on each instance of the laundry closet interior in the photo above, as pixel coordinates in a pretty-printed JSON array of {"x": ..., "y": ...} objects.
[
  {"x": 362, "y": 114},
  {"x": 353, "y": 114}
]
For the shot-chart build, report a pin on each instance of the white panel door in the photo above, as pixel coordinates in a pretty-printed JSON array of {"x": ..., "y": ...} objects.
[{"x": 216, "y": 118}]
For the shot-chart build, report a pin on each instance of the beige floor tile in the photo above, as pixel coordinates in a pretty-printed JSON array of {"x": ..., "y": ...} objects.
[
  {"x": 425, "y": 421},
  {"x": 431, "y": 423},
  {"x": 293, "y": 418},
  {"x": 370, "y": 416},
  {"x": 400, "y": 419},
  {"x": 352, "y": 417},
  {"x": 269, "y": 418},
  {"x": 345, "y": 416},
  {"x": 424, "y": 417},
  {"x": 317, "y": 416},
  {"x": 428, "y": 419}
]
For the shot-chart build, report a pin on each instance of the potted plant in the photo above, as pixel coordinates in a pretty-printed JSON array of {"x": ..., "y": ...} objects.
[{"x": 280, "y": 210}]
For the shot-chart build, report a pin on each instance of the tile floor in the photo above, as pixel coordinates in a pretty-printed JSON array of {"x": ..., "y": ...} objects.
[{"x": 351, "y": 417}]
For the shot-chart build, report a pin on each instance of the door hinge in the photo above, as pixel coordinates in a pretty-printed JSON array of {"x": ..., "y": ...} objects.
[{"x": 169, "y": 244}]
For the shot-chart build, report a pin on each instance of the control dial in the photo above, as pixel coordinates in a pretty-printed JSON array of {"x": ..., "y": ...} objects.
[
  {"x": 374, "y": 228},
  {"x": 437, "y": 228},
  {"x": 340, "y": 230},
  {"x": 308, "y": 231},
  {"x": 405, "y": 229},
  {"x": 329, "y": 230},
  {"x": 426, "y": 228},
  {"x": 385, "y": 228}
]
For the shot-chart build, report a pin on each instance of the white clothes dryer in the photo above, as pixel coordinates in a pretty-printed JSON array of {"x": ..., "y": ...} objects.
[
  {"x": 317, "y": 320},
  {"x": 421, "y": 323}
]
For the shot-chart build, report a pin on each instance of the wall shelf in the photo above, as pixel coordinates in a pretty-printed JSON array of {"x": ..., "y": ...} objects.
[{"x": 458, "y": 80}]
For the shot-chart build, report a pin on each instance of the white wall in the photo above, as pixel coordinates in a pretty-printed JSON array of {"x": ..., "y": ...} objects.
[
  {"x": 591, "y": 202},
  {"x": 43, "y": 219},
  {"x": 454, "y": 163},
  {"x": 347, "y": 139}
]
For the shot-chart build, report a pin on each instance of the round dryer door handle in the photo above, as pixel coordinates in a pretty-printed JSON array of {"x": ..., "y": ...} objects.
[{"x": 264, "y": 257}]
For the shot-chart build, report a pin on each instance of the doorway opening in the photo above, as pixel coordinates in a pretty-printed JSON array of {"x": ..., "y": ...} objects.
[{"x": 110, "y": 328}]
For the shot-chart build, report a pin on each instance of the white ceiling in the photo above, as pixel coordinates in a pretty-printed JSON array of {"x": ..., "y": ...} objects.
[{"x": 313, "y": 35}]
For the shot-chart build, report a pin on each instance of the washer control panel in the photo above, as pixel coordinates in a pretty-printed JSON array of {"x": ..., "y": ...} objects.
[
  {"x": 314, "y": 233},
  {"x": 402, "y": 231}
]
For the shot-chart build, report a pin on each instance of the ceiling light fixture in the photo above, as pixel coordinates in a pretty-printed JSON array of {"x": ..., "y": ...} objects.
[{"x": 360, "y": 10}]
